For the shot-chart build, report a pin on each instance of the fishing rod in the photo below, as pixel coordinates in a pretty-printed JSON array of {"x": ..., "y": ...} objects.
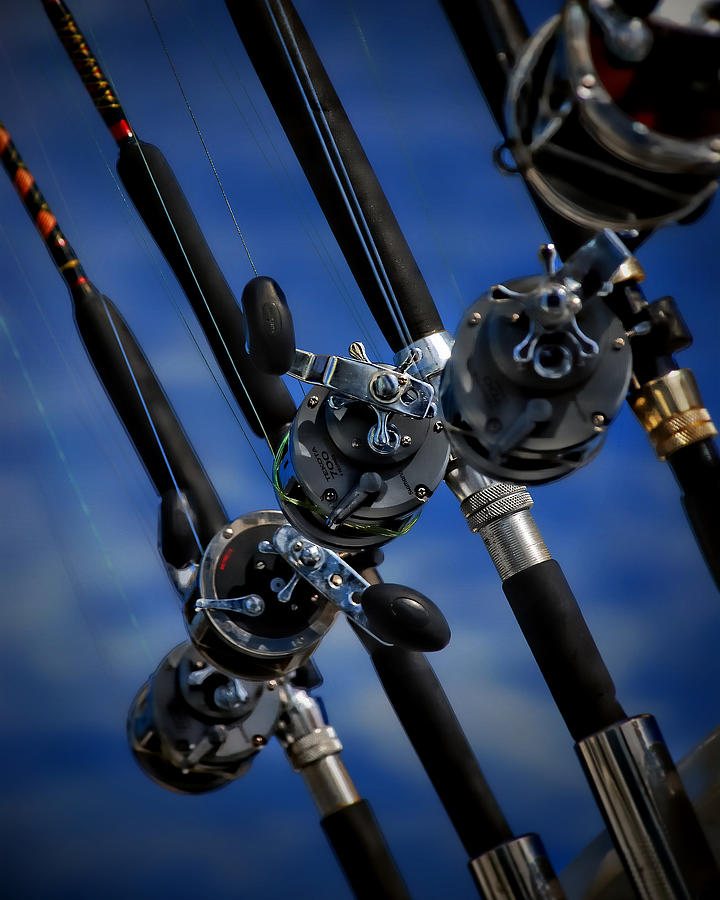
[
  {"x": 197, "y": 541},
  {"x": 154, "y": 190},
  {"x": 193, "y": 728},
  {"x": 329, "y": 152},
  {"x": 463, "y": 788},
  {"x": 633, "y": 105}
]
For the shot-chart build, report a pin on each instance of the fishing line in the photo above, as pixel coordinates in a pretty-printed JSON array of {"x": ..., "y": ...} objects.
[
  {"x": 372, "y": 65},
  {"x": 287, "y": 186},
  {"x": 79, "y": 393},
  {"x": 85, "y": 509},
  {"x": 191, "y": 269},
  {"x": 199, "y": 133},
  {"x": 199, "y": 289},
  {"x": 340, "y": 175}
]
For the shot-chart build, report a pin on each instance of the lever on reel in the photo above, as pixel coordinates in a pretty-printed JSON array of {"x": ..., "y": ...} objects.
[
  {"x": 540, "y": 366},
  {"x": 365, "y": 449}
]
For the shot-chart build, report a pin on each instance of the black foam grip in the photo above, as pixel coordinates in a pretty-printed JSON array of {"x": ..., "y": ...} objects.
[
  {"x": 362, "y": 851},
  {"x": 159, "y": 199},
  {"x": 697, "y": 469},
  {"x": 269, "y": 28},
  {"x": 271, "y": 335},
  {"x": 143, "y": 407},
  {"x": 564, "y": 649},
  {"x": 424, "y": 711},
  {"x": 404, "y": 617}
]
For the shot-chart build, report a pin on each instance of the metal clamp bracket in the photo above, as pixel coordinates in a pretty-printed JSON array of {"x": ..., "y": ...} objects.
[
  {"x": 385, "y": 387},
  {"x": 325, "y": 570}
]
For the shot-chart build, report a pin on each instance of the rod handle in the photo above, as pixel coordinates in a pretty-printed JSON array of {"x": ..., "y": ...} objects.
[
  {"x": 361, "y": 850},
  {"x": 158, "y": 197},
  {"x": 564, "y": 649}
]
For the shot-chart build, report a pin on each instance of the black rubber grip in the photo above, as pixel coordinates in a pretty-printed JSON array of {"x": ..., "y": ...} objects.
[
  {"x": 143, "y": 407},
  {"x": 271, "y": 335},
  {"x": 159, "y": 199},
  {"x": 362, "y": 851},
  {"x": 405, "y": 617},
  {"x": 424, "y": 711},
  {"x": 697, "y": 469},
  {"x": 291, "y": 71},
  {"x": 564, "y": 649}
]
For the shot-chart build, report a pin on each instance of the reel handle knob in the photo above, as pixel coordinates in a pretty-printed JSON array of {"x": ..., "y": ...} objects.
[
  {"x": 405, "y": 617},
  {"x": 271, "y": 335}
]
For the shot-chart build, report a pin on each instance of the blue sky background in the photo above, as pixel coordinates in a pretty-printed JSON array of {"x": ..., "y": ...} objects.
[{"x": 88, "y": 612}]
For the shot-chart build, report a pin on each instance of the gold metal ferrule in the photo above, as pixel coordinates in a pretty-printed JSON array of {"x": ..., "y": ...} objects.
[{"x": 671, "y": 410}]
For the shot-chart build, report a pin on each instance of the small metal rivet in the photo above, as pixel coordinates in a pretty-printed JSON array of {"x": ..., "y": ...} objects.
[
  {"x": 330, "y": 495},
  {"x": 336, "y": 580},
  {"x": 598, "y": 420},
  {"x": 406, "y": 440},
  {"x": 475, "y": 319},
  {"x": 438, "y": 427},
  {"x": 297, "y": 546},
  {"x": 259, "y": 564},
  {"x": 271, "y": 685},
  {"x": 421, "y": 492},
  {"x": 227, "y": 532},
  {"x": 313, "y": 401},
  {"x": 258, "y": 740},
  {"x": 618, "y": 343},
  {"x": 515, "y": 317},
  {"x": 588, "y": 80},
  {"x": 356, "y": 443}
]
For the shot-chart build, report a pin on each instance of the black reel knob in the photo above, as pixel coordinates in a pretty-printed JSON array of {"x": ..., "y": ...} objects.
[
  {"x": 271, "y": 335},
  {"x": 405, "y": 617}
]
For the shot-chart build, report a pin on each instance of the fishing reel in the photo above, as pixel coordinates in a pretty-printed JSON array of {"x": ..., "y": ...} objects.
[
  {"x": 365, "y": 450},
  {"x": 194, "y": 729},
  {"x": 613, "y": 112},
  {"x": 540, "y": 366},
  {"x": 264, "y": 596}
]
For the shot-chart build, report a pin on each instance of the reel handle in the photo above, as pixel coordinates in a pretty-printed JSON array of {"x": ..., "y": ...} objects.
[
  {"x": 271, "y": 335},
  {"x": 404, "y": 617}
]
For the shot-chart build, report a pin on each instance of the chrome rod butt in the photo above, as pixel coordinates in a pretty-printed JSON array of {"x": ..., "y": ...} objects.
[
  {"x": 516, "y": 870},
  {"x": 647, "y": 811}
]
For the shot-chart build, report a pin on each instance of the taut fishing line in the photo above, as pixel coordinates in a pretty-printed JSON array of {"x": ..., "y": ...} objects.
[
  {"x": 375, "y": 71},
  {"x": 336, "y": 164},
  {"x": 285, "y": 182}
]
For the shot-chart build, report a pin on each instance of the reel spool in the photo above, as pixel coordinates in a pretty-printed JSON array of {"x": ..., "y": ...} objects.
[
  {"x": 338, "y": 489},
  {"x": 364, "y": 451},
  {"x": 615, "y": 120},
  {"x": 253, "y": 618},
  {"x": 539, "y": 368},
  {"x": 193, "y": 729}
]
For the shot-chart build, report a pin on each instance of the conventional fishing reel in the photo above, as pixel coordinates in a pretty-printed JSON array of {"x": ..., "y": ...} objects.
[
  {"x": 613, "y": 112},
  {"x": 365, "y": 450},
  {"x": 540, "y": 366},
  {"x": 193, "y": 728},
  {"x": 263, "y": 596}
]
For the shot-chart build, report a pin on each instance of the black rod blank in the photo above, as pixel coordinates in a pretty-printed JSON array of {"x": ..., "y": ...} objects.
[
  {"x": 337, "y": 168},
  {"x": 363, "y": 853}
]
